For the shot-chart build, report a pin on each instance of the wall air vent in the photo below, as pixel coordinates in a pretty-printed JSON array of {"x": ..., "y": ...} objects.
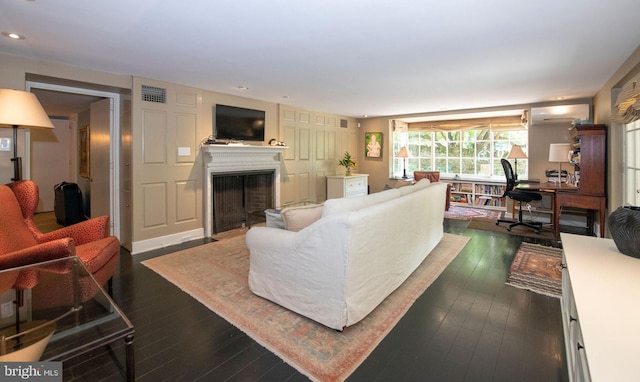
[
  {"x": 562, "y": 114},
  {"x": 153, "y": 94}
]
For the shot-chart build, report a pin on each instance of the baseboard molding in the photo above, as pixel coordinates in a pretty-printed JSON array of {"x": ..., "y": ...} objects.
[{"x": 166, "y": 241}]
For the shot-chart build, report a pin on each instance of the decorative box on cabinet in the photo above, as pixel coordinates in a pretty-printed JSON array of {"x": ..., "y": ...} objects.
[
  {"x": 600, "y": 316},
  {"x": 345, "y": 186}
]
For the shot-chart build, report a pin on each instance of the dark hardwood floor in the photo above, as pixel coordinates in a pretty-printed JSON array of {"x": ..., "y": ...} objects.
[{"x": 467, "y": 326}]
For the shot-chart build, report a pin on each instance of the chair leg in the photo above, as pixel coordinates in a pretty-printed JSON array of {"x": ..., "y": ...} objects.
[
  {"x": 531, "y": 224},
  {"x": 110, "y": 287}
]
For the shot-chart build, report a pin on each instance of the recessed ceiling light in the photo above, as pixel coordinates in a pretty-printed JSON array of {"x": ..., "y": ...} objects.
[
  {"x": 242, "y": 88},
  {"x": 286, "y": 97},
  {"x": 14, "y": 36}
]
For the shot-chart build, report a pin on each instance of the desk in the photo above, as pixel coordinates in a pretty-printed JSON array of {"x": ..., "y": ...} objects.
[{"x": 566, "y": 195}]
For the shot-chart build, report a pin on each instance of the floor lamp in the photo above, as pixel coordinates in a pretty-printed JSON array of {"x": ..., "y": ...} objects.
[
  {"x": 404, "y": 154},
  {"x": 516, "y": 153},
  {"x": 559, "y": 152},
  {"x": 20, "y": 109}
]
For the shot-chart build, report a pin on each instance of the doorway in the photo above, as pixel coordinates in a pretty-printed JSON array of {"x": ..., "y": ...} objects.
[{"x": 74, "y": 105}]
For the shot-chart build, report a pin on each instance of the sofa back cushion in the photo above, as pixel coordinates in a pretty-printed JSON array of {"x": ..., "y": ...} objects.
[
  {"x": 336, "y": 206},
  {"x": 297, "y": 218},
  {"x": 422, "y": 183}
]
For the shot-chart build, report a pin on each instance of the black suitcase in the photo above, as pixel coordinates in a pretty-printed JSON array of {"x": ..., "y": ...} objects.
[{"x": 67, "y": 204}]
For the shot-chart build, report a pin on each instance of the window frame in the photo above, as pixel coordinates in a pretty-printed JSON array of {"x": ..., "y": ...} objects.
[{"x": 427, "y": 157}]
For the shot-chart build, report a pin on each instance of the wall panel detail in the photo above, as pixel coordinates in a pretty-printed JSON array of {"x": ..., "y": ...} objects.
[
  {"x": 154, "y": 135},
  {"x": 304, "y": 117},
  {"x": 320, "y": 145},
  {"x": 186, "y": 201},
  {"x": 304, "y": 144},
  {"x": 304, "y": 186},
  {"x": 331, "y": 145},
  {"x": 289, "y": 135},
  {"x": 186, "y": 130},
  {"x": 154, "y": 201},
  {"x": 189, "y": 99},
  {"x": 289, "y": 115}
]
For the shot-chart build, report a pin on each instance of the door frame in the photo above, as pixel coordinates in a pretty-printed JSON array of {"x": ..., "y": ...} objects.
[{"x": 114, "y": 146}]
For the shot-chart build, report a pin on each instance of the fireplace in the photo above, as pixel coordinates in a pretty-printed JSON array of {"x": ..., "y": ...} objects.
[
  {"x": 241, "y": 181},
  {"x": 239, "y": 199}
]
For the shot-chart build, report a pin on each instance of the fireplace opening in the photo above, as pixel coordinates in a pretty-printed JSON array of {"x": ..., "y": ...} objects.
[{"x": 240, "y": 198}]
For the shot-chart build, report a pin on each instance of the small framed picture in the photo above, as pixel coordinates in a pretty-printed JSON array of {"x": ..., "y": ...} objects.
[{"x": 373, "y": 145}]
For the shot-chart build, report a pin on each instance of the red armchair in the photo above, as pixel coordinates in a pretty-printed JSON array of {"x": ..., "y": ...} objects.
[
  {"x": 433, "y": 176},
  {"x": 88, "y": 240},
  {"x": 18, "y": 247}
]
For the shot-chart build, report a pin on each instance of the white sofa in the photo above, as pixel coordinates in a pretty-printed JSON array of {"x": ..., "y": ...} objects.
[{"x": 339, "y": 268}]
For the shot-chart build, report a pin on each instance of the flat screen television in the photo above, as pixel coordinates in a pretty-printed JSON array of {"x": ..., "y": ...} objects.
[{"x": 238, "y": 124}]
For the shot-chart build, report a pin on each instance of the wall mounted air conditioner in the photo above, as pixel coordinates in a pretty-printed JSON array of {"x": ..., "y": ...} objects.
[{"x": 559, "y": 114}]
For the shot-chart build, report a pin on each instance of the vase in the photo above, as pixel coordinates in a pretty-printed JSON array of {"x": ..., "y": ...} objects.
[
  {"x": 347, "y": 171},
  {"x": 624, "y": 225}
]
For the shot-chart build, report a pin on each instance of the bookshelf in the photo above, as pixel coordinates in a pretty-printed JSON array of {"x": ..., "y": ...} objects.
[{"x": 481, "y": 194}]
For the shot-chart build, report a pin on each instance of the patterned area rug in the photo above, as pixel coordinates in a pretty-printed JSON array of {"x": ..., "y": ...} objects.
[
  {"x": 468, "y": 213},
  {"x": 216, "y": 274},
  {"x": 537, "y": 268}
]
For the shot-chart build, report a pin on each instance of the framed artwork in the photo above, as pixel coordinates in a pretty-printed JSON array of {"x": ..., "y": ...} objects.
[
  {"x": 373, "y": 145},
  {"x": 84, "y": 153}
]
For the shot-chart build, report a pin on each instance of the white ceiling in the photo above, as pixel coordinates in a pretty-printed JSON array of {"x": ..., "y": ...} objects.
[{"x": 349, "y": 57}]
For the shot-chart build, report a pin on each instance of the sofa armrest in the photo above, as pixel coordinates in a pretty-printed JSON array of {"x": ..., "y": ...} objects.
[
  {"x": 302, "y": 271},
  {"x": 82, "y": 232},
  {"x": 52, "y": 250}
]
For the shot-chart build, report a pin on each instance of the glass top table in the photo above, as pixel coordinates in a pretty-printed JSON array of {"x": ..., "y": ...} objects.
[{"x": 65, "y": 314}]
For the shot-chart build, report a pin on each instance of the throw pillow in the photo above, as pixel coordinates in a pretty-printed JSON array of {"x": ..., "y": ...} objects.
[{"x": 297, "y": 218}]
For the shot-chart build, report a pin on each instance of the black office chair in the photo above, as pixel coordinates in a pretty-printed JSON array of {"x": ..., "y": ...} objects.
[{"x": 520, "y": 197}]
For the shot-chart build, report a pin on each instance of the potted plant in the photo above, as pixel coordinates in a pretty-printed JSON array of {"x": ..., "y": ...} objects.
[{"x": 347, "y": 163}]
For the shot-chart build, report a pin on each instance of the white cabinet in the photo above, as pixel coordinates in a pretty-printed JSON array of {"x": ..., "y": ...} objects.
[
  {"x": 345, "y": 186},
  {"x": 600, "y": 314}
]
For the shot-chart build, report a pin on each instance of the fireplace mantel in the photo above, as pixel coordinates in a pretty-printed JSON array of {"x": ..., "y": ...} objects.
[{"x": 220, "y": 159}]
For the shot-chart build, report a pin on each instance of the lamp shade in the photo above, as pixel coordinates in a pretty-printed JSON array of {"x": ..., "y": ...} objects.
[
  {"x": 403, "y": 153},
  {"x": 516, "y": 153},
  {"x": 559, "y": 152},
  {"x": 22, "y": 109}
]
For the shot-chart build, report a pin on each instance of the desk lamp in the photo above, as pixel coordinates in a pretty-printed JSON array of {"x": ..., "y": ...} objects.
[
  {"x": 516, "y": 153},
  {"x": 21, "y": 109},
  {"x": 559, "y": 152},
  {"x": 404, "y": 154}
]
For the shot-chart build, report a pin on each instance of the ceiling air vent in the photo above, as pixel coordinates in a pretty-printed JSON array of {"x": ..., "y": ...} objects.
[{"x": 153, "y": 94}]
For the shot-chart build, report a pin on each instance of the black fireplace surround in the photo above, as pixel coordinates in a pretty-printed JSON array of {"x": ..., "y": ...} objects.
[{"x": 240, "y": 198}]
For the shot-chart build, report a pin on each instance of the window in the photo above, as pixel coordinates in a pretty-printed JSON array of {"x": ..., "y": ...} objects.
[
  {"x": 632, "y": 164},
  {"x": 467, "y": 151}
]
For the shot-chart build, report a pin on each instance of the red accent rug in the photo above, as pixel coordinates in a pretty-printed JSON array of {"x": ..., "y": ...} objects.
[
  {"x": 216, "y": 274},
  {"x": 468, "y": 213},
  {"x": 537, "y": 268}
]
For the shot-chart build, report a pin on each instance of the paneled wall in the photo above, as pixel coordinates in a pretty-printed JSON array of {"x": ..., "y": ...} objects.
[
  {"x": 316, "y": 143},
  {"x": 167, "y": 196},
  {"x": 167, "y": 171}
]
